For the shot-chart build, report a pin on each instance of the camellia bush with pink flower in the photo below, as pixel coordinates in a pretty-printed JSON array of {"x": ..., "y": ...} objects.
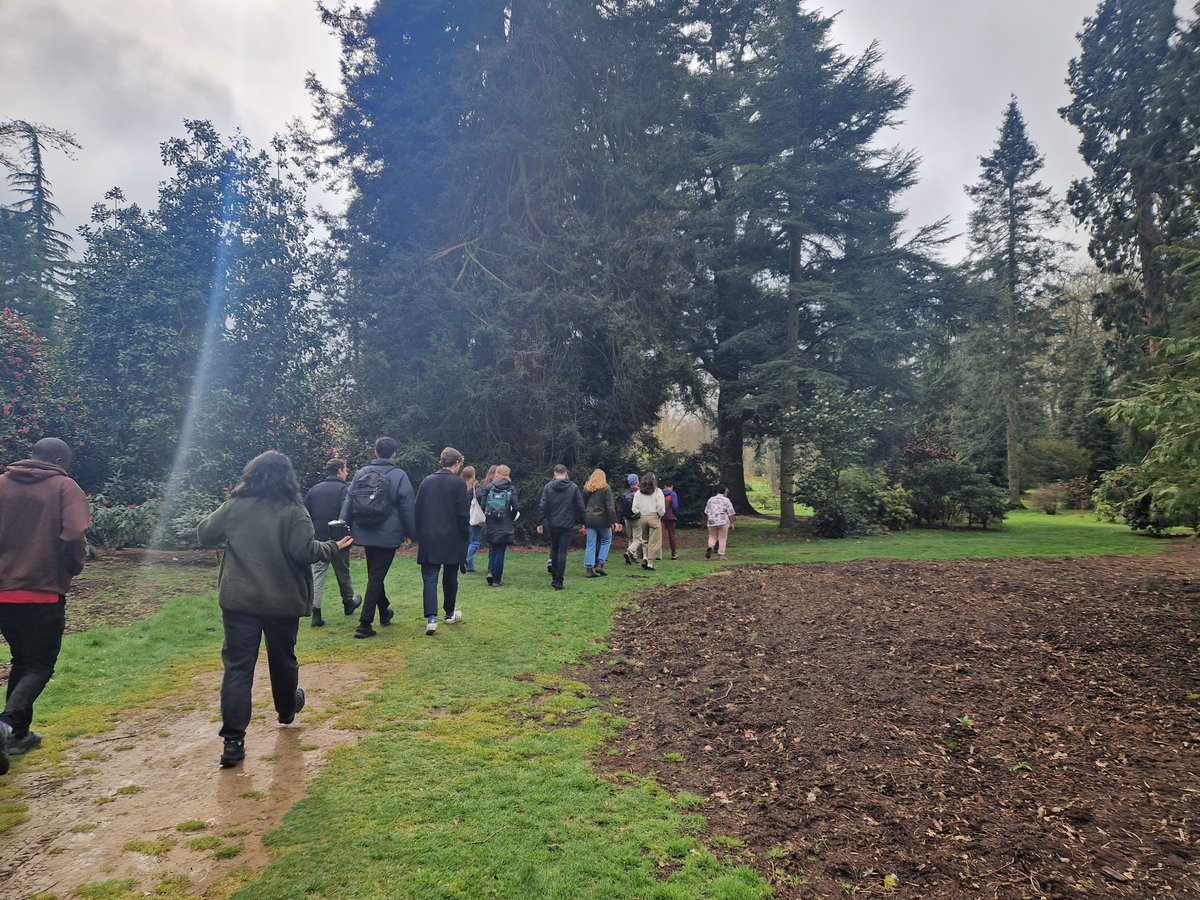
[{"x": 31, "y": 403}]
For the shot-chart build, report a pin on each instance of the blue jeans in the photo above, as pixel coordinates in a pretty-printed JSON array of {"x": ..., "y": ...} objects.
[
  {"x": 496, "y": 561},
  {"x": 473, "y": 542},
  {"x": 429, "y": 576},
  {"x": 604, "y": 535}
]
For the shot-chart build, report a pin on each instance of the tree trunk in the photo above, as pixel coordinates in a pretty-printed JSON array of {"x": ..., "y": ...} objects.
[
  {"x": 731, "y": 452},
  {"x": 787, "y": 447},
  {"x": 1010, "y": 453}
]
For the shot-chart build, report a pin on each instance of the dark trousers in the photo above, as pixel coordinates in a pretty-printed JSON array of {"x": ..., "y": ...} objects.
[
  {"x": 496, "y": 561},
  {"x": 379, "y": 561},
  {"x": 34, "y": 633},
  {"x": 560, "y": 544},
  {"x": 669, "y": 527},
  {"x": 239, "y": 653},
  {"x": 429, "y": 575}
]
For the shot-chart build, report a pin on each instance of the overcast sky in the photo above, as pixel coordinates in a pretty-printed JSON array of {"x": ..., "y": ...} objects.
[{"x": 122, "y": 75}]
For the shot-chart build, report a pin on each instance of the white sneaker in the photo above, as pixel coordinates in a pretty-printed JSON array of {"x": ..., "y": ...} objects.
[
  {"x": 431, "y": 626},
  {"x": 456, "y": 617}
]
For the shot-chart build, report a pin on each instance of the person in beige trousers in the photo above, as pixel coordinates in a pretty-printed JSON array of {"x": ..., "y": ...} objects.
[{"x": 650, "y": 506}]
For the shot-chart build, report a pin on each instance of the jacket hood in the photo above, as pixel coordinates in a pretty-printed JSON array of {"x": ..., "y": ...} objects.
[
  {"x": 31, "y": 471},
  {"x": 561, "y": 484},
  {"x": 502, "y": 483}
]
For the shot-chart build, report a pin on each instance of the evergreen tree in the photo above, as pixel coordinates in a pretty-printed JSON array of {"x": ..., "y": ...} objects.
[
  {"x": 512, "y": 238},
  {"x": 1013, "y": 258},
  {"x": 833, "y": 292},
  {"x": 35, "y": 275},
  {"x": 1131, "y": 113}
]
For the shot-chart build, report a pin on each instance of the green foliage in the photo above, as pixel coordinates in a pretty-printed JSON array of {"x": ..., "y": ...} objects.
[
  {"x": 862, "y": 502},
  {"x": 694, "y": 475},
  {"x": 512, "y": 236},
  {"x": 34, "y": 254},
  {"x": 193, "y": 333},
  {"x": 32, "y": 402},
  {"x": 117, "y": 525},
  {"x": 1046, "y": 460},
  {"x": 946, "y": 492},
  {"x": 1049, "y": 497},
  {"x": 1164, "y": 489}
]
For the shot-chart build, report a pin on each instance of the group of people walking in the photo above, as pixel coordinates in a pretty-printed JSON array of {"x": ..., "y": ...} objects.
[{"x": 279, "y": 546}]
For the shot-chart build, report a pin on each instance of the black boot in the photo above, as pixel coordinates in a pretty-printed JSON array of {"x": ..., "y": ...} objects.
[{"x": 317, "y": 621}]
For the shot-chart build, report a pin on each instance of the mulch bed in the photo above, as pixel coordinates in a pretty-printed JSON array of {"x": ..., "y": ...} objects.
[{"x": 996, "y": 728}]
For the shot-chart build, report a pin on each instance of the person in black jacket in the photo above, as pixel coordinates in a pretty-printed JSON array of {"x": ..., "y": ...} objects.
[
  {"x": 324, "y": 503},
  {"x": 500, "y": 509},
  {"x": 560, "y": 510},
  {"x": 380, "y": 539},
  {"x": 443, "y": 526}
]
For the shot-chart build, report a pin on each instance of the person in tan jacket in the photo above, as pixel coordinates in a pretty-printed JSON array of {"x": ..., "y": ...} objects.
[{"x": 43, "y": 521}]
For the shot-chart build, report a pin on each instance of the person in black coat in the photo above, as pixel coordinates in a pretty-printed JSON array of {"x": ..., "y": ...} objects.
[
  {"x": 324, "y": 504},
  {"x": 500, "y": 509},
  {"x": 380, "y": 540},
  {"x": 443, "y": 526},
  {"x": 560, "y": 510}
]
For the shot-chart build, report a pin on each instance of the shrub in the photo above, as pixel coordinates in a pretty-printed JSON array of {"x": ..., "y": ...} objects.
[
  {"x": 117, "y": 525},
  {"x": 945, "y": 492},
  {"x": 861, "y": 502},
  {"x": 1127, "y": 494},
  {"x": 694, "y": 475},
  {"x": 1049, "y": 497},
  {"x": 1047, "y": 460}
]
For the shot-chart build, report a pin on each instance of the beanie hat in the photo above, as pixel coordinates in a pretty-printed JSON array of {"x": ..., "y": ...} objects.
[{"x": 631, "y": 479}]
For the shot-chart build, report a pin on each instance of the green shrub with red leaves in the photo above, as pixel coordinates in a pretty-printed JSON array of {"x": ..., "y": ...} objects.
[{"x": 31, "y": 405}]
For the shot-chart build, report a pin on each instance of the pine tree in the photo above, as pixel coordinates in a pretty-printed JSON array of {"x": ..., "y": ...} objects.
[
  {"x": 37, "y": 273},
  {"x": 1013, "y": 257}
]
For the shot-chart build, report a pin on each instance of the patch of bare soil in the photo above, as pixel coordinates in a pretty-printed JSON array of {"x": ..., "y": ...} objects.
[
  {"x": 148, "y": 801},
  {"x": 1002, "y": 728}
]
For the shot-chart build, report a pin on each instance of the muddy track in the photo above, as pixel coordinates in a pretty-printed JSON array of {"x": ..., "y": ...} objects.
[{"x": 114, "y": 806}]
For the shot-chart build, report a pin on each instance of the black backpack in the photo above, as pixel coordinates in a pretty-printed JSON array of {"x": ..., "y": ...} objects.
[
  {"x": 627, "y": 507},
  {"x": 371, "y": 497}
]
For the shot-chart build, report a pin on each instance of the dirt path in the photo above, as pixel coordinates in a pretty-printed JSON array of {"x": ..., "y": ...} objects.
[
  {"x": 148, "y": 802},
  {"x": 989, "y": 728}
]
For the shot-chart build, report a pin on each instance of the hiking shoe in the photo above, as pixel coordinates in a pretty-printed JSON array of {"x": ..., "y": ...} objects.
[
  {"x": 629, "y": 557},
  {"x": 317, "y": 621},
  {"x": 354, "y": 603},
  {"x": 386, "y": 616},
  {"x": 600, "y": 570},
  {"x": 431, "y": 626},
  {"x": 365, "y": 631},
  {"x": 23, "y": 744},
  {"x": 234, "y": 753},
  {"x": 488, "y": 576},
  {"x": 288, "y": 720},
  {"x": 455, "y": 616},
  {"x": 591, "y": 571},
  {"x": 5, "y": 734},
  {"x": 708, "y": 553},
  {"x": 674, "y": 556},
  {"x": 557, "y": 585}
]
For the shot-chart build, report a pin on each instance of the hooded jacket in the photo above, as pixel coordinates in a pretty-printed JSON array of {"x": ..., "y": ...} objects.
[
  {"x": 443, "y": 519},
  {"x": 43, "y": 519},
  {"x": 561, "y": 505}
]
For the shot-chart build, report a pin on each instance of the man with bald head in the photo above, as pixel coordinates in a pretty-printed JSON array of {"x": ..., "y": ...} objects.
[{"x": 43, "y": 519}]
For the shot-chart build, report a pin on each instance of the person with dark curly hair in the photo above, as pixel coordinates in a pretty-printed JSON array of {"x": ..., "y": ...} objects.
[{"x": 264, "y": 587}]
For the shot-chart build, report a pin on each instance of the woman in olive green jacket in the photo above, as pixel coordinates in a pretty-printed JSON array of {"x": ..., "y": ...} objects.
[{"x": 264, "y": 587}]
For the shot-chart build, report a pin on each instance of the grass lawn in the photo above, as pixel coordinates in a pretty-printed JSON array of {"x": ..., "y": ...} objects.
[{"x": 474, "y": 779}]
